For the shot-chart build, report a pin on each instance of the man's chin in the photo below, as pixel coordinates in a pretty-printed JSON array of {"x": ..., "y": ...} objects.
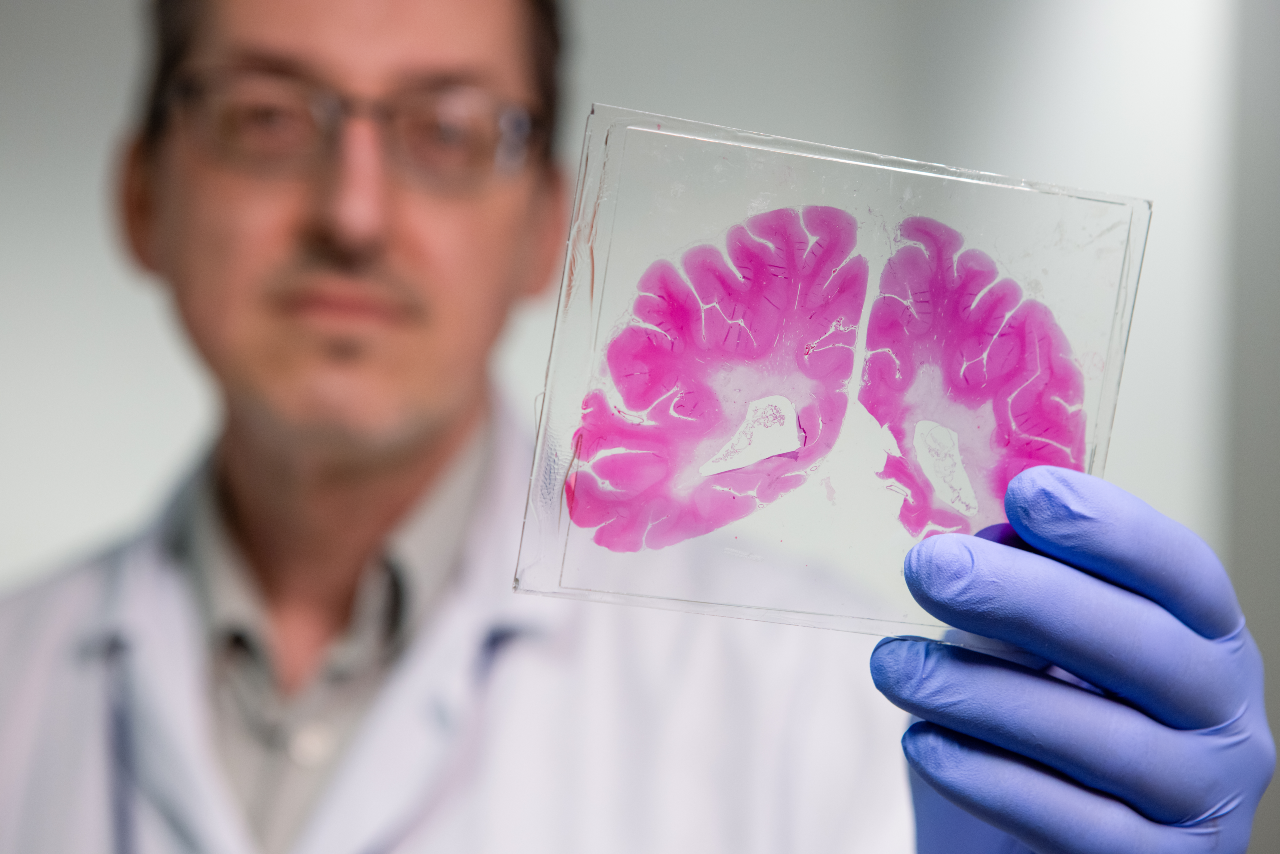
[
  {"x": 362, "y": 438},
  {"x": 357, "y": 441}
]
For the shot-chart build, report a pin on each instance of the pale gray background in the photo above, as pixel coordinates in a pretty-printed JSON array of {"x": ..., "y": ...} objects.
[{"x": 101, "y": 404}]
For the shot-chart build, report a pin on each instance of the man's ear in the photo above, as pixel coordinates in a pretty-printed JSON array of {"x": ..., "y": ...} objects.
[
  {"x": 552, "y": 224},
  {"x": 136, "y": 202}
]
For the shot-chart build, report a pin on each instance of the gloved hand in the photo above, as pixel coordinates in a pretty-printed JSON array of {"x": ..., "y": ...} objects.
[{"x": 1136, "y": 725}]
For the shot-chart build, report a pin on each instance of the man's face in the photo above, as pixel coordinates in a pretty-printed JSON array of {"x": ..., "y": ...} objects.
[{"x": 348, "y": 304}]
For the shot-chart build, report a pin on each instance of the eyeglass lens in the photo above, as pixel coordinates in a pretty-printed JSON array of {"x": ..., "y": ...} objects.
[{"x": 447, "y": 137}]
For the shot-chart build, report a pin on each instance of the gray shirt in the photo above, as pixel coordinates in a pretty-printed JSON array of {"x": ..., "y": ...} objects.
[{"x": 278, "y": 752}]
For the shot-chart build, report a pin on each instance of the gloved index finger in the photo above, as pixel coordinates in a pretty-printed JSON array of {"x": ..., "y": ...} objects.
[
  {"x": 1100, "y": 528},
  {"x": 1115, "y": 639}
]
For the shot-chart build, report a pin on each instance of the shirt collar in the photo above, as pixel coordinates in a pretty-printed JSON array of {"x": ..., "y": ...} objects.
[
  {"x": 396, "y": 596},
  {"x": 427, "y": 548}
]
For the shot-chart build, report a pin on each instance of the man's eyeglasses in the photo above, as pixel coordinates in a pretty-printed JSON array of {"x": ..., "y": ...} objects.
[{"x": 446, "y": 137}]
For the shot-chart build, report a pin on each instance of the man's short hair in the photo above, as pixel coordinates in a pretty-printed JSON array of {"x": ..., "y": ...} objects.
[{"x": 175, "y": 24}]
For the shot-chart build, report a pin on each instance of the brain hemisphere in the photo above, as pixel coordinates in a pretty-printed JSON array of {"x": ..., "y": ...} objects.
[
  {"x": 730, "y": 382},
  {"x": 975, "y": 382}
]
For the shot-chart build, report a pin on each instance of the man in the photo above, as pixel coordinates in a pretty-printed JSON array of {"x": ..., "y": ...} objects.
[{"x": 315, "y": 648}]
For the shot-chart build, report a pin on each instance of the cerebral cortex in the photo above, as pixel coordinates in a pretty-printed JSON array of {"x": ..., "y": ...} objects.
[
  {"x": 729, "y": 382},
  {"x": 974, "y": 381}
]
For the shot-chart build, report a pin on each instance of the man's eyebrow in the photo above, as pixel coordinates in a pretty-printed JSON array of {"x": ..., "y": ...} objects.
[
  {"x": 446, "y": 79},
  {"x": 273, "y": 63}
]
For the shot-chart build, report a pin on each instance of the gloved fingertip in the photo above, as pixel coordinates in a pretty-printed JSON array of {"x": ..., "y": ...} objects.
[
  {"x": 1048, "y": 496},
  {"x": 884, "y": 642},
  {"x": 939, "y": 569},
  {"x": 896, "y": 665},
  {"x": 884, "y": 662},
  {"x": 927, "y": 747}
]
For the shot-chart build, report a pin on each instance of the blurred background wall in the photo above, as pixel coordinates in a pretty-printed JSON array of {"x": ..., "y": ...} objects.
[
  {"x": 1254, "y": 332},
  {"x": 102, "y": 404}
]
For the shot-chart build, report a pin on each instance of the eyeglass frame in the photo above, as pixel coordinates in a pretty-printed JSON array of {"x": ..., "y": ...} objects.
[{"x": 522, "y": 131}]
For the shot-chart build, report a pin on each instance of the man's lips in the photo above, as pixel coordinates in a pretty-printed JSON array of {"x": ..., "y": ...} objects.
[{"x": 345, "y": 305}]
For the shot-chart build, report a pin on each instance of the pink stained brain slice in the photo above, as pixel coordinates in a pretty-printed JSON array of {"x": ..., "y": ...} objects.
[
  {"x": 730, "y": 380},
  {"x": 975, "y": 382}
]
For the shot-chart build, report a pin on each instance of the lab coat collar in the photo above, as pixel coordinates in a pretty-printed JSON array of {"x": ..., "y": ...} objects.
[
  {"x": 150, "y": 618},
  {"x": 401, "y": 758},
  {"x": 415, "y": 740},
  {"x": 488, "y": 578}
]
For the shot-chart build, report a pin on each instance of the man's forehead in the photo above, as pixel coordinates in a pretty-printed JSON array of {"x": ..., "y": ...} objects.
[{"x": 370, "y": 46}]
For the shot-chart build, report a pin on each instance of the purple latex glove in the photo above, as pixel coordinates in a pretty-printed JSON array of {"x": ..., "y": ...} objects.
[{"x": 1169, "y": 753}]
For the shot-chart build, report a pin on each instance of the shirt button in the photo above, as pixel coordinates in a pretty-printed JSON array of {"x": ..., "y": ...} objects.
[{"x": 311, "y": 745}]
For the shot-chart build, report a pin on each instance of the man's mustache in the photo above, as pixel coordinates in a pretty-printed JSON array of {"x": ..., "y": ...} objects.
[{"x": 372, "y": 276}]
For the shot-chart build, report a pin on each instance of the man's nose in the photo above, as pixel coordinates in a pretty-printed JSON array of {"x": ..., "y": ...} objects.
[{"x": 354, "y": 196}]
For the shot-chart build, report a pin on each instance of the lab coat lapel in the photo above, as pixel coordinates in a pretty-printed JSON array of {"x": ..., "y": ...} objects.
[
  {"x": 175, "y": 769},
  {"x": 404, "y": 748},
  {"x": 413, "y": 746}
]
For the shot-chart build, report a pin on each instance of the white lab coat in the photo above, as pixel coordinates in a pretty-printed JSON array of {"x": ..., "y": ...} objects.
[{"x": 513, "y": 724}]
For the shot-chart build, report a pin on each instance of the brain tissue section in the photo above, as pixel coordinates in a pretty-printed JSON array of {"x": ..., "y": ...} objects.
[
  {"x": 732, "y": 376},
  {"x": 975, "y": 382}
]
